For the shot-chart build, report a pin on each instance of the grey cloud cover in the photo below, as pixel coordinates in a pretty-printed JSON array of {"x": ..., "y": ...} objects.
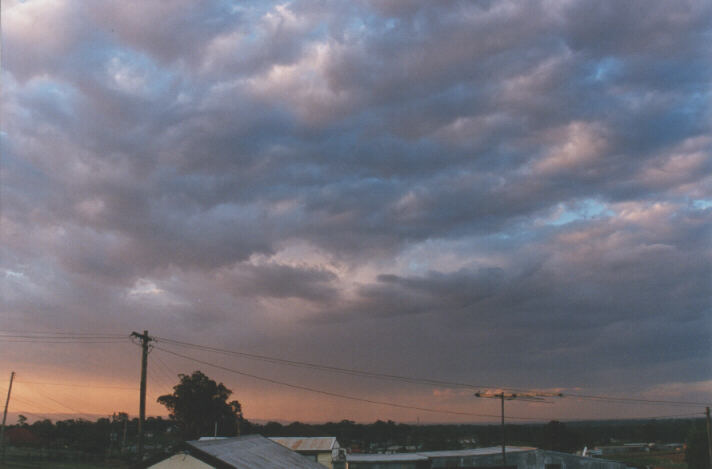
[{"x": 524, "y": 183}]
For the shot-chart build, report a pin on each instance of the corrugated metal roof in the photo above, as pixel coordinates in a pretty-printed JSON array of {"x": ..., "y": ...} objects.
[
  {"x": 395, "y": 457},
  {"x": 425, "y": 455},
  {"x": 475, "y": 451},
  {"x": 318, "y": 443},
  {"x": 254, "y": 452}
]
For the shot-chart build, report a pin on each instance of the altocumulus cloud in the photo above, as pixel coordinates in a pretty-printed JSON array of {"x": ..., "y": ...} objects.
[{"x": 517, "y": 191}]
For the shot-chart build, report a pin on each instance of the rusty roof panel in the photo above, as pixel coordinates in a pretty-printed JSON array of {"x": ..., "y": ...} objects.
[{"x": 319, "y": 443}]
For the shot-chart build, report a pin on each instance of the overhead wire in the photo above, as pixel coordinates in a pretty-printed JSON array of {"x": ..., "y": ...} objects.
[
  {"x": 75, "y": 385},
  {"x": 71, "y": 342},
  {"x": 425, "y": 381},
  {"x": 27, "y": 401},
  {"x": 159, "y": 377},
  {"x": 165, "y": 371},
  {"x": 86, "y": 338},
  {"x": 24, "y": 411},
  {"x": 64, "y": 333},
  {"x": 153, "y": 388},
  {"x": 79, "y": 412},
  {"x": 334, "y": 394},
  {"x": 60, "y": 336},
  {"x": 695, "y": 414},
  {"x": 635, "y": 400}
]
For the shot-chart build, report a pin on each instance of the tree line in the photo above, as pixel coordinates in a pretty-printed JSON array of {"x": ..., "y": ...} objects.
[{"x": 198, "y": 406}]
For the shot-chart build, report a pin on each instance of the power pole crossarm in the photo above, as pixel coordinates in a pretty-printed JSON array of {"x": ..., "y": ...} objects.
[
  {"x": 145, "y": 339},
  {"x": 536, "y": 397}
]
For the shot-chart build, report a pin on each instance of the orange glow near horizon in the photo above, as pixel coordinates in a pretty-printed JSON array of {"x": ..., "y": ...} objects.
[
  {"x": 43, "y": 395},
  {"x": 87, "y": 388}
]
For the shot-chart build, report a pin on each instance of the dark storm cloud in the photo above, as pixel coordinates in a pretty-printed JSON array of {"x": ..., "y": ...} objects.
[
  {"x": 474, "y": 174},
  {"x": 281, "y": 281}
]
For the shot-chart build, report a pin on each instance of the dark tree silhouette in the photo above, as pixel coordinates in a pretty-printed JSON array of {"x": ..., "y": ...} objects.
[
  {"x": 198, "y": 403},
  {"x": 696, "y": 453}
]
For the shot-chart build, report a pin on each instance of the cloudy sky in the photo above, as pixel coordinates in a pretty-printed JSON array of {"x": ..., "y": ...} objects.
[{"x": 498, "y": 193}]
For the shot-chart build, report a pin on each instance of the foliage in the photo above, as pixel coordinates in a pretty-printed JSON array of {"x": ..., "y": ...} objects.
[
  {"x": 697, "y": 454},
  {"x": 198, "y": 403},
  {"x": 558, "y": 437},
  {"x": 111, "y": 440}
]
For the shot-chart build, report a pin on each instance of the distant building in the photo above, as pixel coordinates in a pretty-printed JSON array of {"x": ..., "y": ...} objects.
[
  {"x": 622, "y": 449},
  {"x": 479, "y": 458},
  {"x": 322, "y": 449},
  {"x": 244, "y": 452},
  {"x": 672, "y": 447},
  {"x": 387, "y": 461}
]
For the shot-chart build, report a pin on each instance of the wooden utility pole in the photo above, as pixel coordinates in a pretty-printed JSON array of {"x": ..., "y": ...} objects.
[
  {"x": 504, "y": 455},
  {"x": 709, "y": 436},
  {"x": 535, "y": 397},
  {"x": 123, "y": 440},
  {"x": 7, "y": 403},
  {"x": 145, "y": 339}
]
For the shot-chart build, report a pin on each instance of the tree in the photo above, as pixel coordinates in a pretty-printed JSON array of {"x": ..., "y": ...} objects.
[
  {"x": 556, "y": 436},
  {"x": 696, "y": 453},
  {"x": 198, "y": 403}
]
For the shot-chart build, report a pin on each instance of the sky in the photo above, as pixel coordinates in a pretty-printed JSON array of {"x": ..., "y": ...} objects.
[{"x": 504, "y": 194}]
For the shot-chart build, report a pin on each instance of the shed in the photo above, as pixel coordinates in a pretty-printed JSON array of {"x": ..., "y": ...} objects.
[
  {"x": 322, "y": 449},
  {"x": 244, "y": 452},
  {"x": 518, "y": 457}
]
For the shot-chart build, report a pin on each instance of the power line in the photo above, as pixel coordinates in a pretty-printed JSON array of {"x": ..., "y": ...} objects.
[
  {"x": 302, "y": 364},
  {"x": 695, "y": 414},
  {"x": 635, "y": 400},
  {"x": 74, "y": 385},
  {"x": 154, "y": 390},
  {"x": 71, "y": 342},
  {"x": 425, "y": 381},
  {"x": 165, "y": 370},
  {"x": 26, "y": 402},
  {"x": 333, "y": 394},
  {"x": 54, "y": 409},
  {"x": 63, "y": 405},
  {"x": 63, "y": 333},
  {"x": 60, "y": 336},
  {"x": 158, "y": 376}
]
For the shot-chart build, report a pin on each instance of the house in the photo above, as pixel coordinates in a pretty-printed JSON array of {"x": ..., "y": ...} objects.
[
  {"x": 517, "y": 458},
  {"x": 322, "y": 449},
  {"x": 243, "y": 452}
]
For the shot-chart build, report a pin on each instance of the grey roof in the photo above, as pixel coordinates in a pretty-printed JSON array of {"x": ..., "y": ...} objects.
[
  {"x": 475, "y": 451},
  {"x": 301, "y": 443},
  {"x": 254, "y": 452},
  {"x": 425, "y": 455},
  {"x": 395, "y": 457}
]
